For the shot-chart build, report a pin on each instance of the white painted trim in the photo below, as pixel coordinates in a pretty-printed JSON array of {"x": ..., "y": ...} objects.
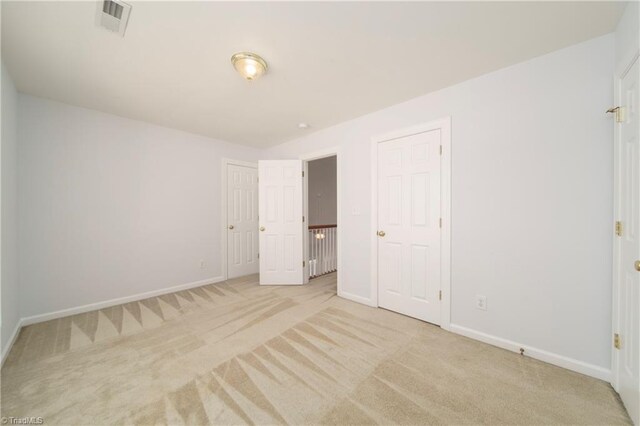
[
  {"x": 625, "y": 64},
  {"x": 319, "y": 154},
  {"x": 539, "y": 354},
  {"x": 224, "y": 210},
  {"x": 617, "y": 161},
  {"x": 113, "y": 302},
  {"x": 12, "y": 340},
  {"x": 615, "y": 293},
  {"x": 444, "y": 124},
  {"x": 251, "y": 164},
  {"x": 305, "y": 222},
  {"x": 356, "y": 298},
  {"x": 316, "y": 155},
  {"x": 445, "y": 236},
  {"x": 373, "y": 289}
]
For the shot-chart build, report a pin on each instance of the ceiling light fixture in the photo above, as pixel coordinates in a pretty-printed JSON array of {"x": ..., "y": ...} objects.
[
  {"x": 303, "y": 126},
  {"x": 249, "y": 65}
]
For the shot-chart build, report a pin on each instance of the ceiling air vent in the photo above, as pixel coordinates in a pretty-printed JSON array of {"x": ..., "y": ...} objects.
[{"x": 113, "y": 15}]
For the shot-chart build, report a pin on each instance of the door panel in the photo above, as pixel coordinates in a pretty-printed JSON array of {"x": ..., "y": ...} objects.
[
  {"x": 281, "y": 227},
  {"x": 242, "y": 218},
  {"x": 419, "y": 271},
  {"x": 408, "y": 214},
  {"x": 628, "y": 306}
]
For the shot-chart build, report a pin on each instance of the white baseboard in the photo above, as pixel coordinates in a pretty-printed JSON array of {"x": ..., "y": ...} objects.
[
  {"x": 356, "y": 298},
  {"x": 14, "y": 336},
  {"x": 539, "y": 354},
  {"x": 107, "y": 303}
]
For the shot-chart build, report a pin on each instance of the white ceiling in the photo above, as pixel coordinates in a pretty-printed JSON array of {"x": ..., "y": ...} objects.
[{"x": 329, "y": 62}]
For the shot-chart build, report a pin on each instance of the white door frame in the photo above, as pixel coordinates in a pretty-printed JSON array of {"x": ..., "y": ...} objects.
[
  {"x": 224, "y": 212},
  {"x": 444, "y": 124},
  {"x": 317, "y": 155},
  {"x": 615, "y": 377}
]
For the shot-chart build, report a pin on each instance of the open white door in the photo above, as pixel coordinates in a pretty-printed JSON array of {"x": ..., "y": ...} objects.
[
  {"x": 626, "y": 305},
  {"x": 281, "y": 226},
  {"x": 242, "y": 220}
]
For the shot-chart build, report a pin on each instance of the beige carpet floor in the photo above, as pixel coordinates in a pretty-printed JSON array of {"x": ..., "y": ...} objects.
[{"x": 236, "y": 353}]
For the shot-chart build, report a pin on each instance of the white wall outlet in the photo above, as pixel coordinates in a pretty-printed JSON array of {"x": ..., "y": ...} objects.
[
  {"x": 202, "y": 264},
  {"x": 481, "y": 302}
]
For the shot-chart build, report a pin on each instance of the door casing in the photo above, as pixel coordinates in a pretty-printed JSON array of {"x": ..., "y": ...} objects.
[
  {"x": 617, "y": 82},
  {"x": 224, "y": 211},
  {"x": 444, "y": 124}
]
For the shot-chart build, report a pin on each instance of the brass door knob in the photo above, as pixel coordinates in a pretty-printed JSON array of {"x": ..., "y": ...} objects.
[
  {"x": 381, "y": 234},
  {"x": 262, "y": 228},
  {"x": 637, "y": 265},
  {"x": 230, "y": 226}
]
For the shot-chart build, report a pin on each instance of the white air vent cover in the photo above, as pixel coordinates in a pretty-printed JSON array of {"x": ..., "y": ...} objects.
[{"x": 113, "y": 15}]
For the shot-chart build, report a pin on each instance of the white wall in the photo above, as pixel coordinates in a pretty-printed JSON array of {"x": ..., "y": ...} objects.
[
  {"x": 531, "y": 198},
  {"x": 9, "y": 211},
  {"x": 627, "y": 37},
  {"x": 322, "y": 191},
  {"x": 112, "y": 207}
]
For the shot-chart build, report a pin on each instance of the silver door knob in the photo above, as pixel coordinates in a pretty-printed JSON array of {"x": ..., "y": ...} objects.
[
  {"x": 262, "y": 228},
  {"x": 381, "y": 234},
  {"x": 231, "y": 227}
]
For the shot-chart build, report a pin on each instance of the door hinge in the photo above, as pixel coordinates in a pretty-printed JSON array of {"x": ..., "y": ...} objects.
[
  {"x": 302, "y": 218},
  {"x": 440, "y": 295},
  {"x": 258, "y": 255},
  {"x": 619, "y": 228},
  {"x": 440, "y": 222},
  {"x": 303, "y": 173},
  {"x": 304, "y": 263},
  {"x": 616, "y": 341},
  {"x": 440, "y": 149},
  {"x": 619, "y": 113}
]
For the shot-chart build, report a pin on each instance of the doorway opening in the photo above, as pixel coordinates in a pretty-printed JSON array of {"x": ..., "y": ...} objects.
[
  {"x": 322, "y": 215},
  {"x": 287, "y": 254},
  {"x": 322, "y": 194}
]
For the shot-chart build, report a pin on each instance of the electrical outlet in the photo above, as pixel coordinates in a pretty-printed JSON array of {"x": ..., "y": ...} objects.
[
  {"x": 481, "y": 302},
  {"x": 202, "y": 264}
]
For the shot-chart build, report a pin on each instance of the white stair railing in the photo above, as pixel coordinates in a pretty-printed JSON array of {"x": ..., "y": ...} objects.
[{"x": 322, "y": 249}]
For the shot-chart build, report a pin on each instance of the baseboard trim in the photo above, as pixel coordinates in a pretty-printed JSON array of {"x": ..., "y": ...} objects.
[
  {"x": 539, "y": 354},
  {"x": 356, "y": 298},
  {"x": 10, "y": 343},
  {"x": 112, "y": 302}
]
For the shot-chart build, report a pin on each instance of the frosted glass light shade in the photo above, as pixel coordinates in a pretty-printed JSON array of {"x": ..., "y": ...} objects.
[{"x": 249, "y": 65}]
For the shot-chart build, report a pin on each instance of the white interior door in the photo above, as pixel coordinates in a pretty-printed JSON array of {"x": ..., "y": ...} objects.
[
  {"x": 409, "y": 246},
  {"x": 242, "y": 220},
  {"x": 281, "y": 226},
  {"x": 627, "y": 305}
]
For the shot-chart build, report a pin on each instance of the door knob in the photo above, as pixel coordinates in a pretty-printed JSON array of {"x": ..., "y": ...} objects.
[
  {"x": 381, "y": 234},
  {"x": 230, "y": 226},
  {"x": 262, "y": 228},
  {"x": 637, "y": 265}
]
